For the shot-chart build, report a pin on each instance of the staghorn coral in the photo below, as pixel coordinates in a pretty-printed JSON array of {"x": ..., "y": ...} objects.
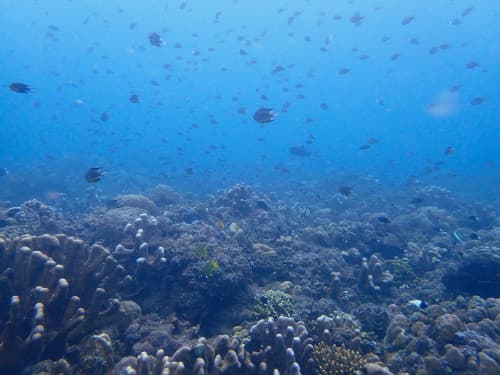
[{"x": 337, "y": 360}]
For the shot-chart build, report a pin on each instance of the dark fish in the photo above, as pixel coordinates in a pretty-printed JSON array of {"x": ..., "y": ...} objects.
[
  {"x": 449, "y": 150},
  {"x": 278, "y": 69},
  {"x": 134, "y": 98},
  {"x": 455, "y": 21},
  {"x": 473, "y": 236},
  {"x": 405, "y": 21},
  {"x": 323, "y": 106},
  {"x": 112, "y": 203},
  {"x": 264, "y": 115},
  {"x": 94, "y": 174},
  {"x": 20, "y": 88},
  {"x": 472, "y": 65},
  {"x": 467, "y": 11},
  {"x": 3, "y": 172},
  {"x": 104, "y": 116},
  {"x": 383, "y": 219},
  {"x": 345, "y": 190},
  {"x": 156, "y": 40},
  {"x": 364, "y": 147},
  {"x": 357, "y": 19},
  {"x": 473, "y": 218},
  {"x": 477, "y": 101},
  {"x": 299, "y": 151},
  {"x": 189, "y": 171},
  {"x": 434, "y": 50},
  {"x": 417, "y": 200},
  {"x": 344, "y": 71},
  {"x": 372, "y": 141}
]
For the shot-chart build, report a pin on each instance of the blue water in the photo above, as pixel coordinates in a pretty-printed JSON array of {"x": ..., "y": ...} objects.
[{"x": 85, "y": 58}]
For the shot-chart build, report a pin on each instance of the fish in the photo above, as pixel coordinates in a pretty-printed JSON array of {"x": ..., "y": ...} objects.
[
  {"x": 156, "y": 40},
  {"x": 104, "y": 116},
  {"x": 416, "y": 200},
  {"x": 433, "y": 50},
  {"x": 264, "y": 115},
  {"x": 94, "y": 174},
  {"x": 418, "y": 303},
  {"x": 3, "y": 172},
  {"x": 20, "y": 88},
  {"x": 449, "y": 150},
  {"x": 383, "y": 219},
  {"x": 477, "y": 101},
  {"x": 473, "y": 236},
  {"x": 357, "y": 19},
  {"x": 372, "y": 141},
  {"x": 364, "y": 147},
  {"x": 472, "y": 64},
  {"x": 345, "y": 190},
  {"x": 405, "y": 21},
  {"x": 473, "y": 218},
  {"x": 467, "y": 11},
  {"x": 134, "y": 98},
  {"x": 344, "y": 71},
  {"x": 299, "y": 151}
]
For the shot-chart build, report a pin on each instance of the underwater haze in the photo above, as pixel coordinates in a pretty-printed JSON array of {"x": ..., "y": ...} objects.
[
  {"x": 249, "y": 187},
  {"x": 418, "y": 78}
]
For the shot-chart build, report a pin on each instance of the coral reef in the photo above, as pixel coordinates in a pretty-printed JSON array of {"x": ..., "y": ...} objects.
[{"x": 248, "y": 283}]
